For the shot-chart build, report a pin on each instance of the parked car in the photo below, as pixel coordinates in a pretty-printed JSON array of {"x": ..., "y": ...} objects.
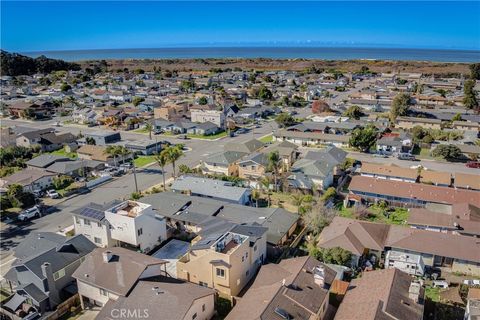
[
  {"x": 53, "y": 194},
  {"x": 473, "y": 164},
  {"x": 158, "y": 131},
  {"x": 29, "y": 213},
  {"x": 127, "y": 165},
  {"x": 406, "y": 156},
  {"x": 380, "y": 155},
  {"x": 440, "y": 284},
  {"x": 38, "y": 193}
]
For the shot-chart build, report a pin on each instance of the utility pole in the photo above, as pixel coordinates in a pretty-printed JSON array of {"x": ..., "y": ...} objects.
[{"x": 135, "y": 176}]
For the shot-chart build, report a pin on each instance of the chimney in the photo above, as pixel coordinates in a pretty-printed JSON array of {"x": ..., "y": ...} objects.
[
  {"x": 414, "y": 291},
  {"x": 107, "y": 256},
  {"x": 319, "y": 275},
  {"x": 49, "y": 284}
]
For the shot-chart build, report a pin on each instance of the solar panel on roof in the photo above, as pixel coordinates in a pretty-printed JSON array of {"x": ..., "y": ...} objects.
[{"x": 92, "y": 213}]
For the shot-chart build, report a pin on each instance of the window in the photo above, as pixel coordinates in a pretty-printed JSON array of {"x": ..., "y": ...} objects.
[
  {"x": 194, "y": 316},
  {"x": 220, "y": 273},
  {"x": 203, "y": 308},
  {"x": 243, "y": 258},
  {"x": 59, "y": 274},
  {"x": 203, "y": 284},
  {"x": 97, "y": 240},
  {"x": 77, "y": 220},
  {"x": 246, "y": 255},
  {"x": 99, "y": 224},
  {"x": 86, "y": 222},
  {"x": 103, "y": 292},
  {"x": 255, "y": 248},
  {"x": 140, "y": 232}
]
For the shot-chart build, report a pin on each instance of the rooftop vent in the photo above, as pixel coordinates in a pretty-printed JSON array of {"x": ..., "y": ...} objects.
[
  {"x": 282, "y": 313},
  {"x": 107, "y": 256}
]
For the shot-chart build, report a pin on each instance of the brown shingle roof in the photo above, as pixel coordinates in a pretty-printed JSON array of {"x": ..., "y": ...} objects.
[
  {"x": 435, "y": 177},
  {"x": 468, "y": 181},
  {"x": 299, "y": 296},
  {"x": 95, "y": 152},
  {"x": 389, "y": 170},
  {"x": 380, "y": 294},
  {"x": 408, "y": 190},
  {"x": 120, "y": 274}
]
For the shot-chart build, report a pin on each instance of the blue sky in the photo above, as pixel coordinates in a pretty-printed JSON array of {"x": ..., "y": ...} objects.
[{"x": 69, "y": 25}]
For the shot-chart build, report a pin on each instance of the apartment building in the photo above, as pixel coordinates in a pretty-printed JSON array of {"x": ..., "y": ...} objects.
[{"x": 202, "y": 115}]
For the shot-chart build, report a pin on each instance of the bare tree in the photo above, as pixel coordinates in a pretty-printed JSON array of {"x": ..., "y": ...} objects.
[{"x": 318, "y": 218}]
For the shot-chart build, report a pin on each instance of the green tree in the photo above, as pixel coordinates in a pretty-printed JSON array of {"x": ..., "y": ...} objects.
[
  {"x": 274, "y": 165},
  {"x": 90, "y": 141},
  {"x": 162, "y": 160},
  {"x": 62, "y": 182},
  {"x": 353, "y": 112},
  {"x": 418, "y": 133},
  {"x": 469, "y": 95},
  {"x": 137, "y": 100},
  {"x": 447, "y": 151},
  {"x": 149, "y": 128},
  {"x": 202, "y": 101},
  {"x": 65, "y": 87},
  {"x": 112, "y": 151},
  {"x": 336, "y": 255},
  {"x": 284, "y": 120},
  {"x": 400, "y": 105},
  {"x": 364, "y": 138},
  {"x": 18, "y": 198},
  {"x": 188, "y": 85},
  {"x": 475, "y": 71},
  {"x": 173, "y": 153},
  {"x": 264, "y": 93},
  {"x": 329, "y": 194}
]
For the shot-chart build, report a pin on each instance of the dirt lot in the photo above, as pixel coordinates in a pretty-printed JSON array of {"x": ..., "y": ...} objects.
[{"x": 206, "y": 65}]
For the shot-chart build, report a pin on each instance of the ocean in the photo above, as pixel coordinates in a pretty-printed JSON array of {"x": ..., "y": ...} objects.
[{"x": 324, "y": 53}]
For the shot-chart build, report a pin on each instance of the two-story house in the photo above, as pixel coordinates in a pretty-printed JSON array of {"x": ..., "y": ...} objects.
[{"x": 224, "y": 257}]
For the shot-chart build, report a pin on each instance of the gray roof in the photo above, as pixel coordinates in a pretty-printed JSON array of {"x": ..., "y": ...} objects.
[
  {"x": 45, "y": 160},
  {"x": 209, "y": 188},
  {"x": 163, "y": 297},
  {"x": 94, "y": 211},
  {"x": 59, "y": 257},
  {"x": 225, "y": 157},
  {"x": 37, "y": 242},
  {"x": 257, "y": 157},
  {"x": 33, "y": 292},
  {"x": 331, "y": 154},
  {"x": 313, "y": 168},
  {"x": 245, "y": 147},
  {"x": 119, "y": 274},
  {"x": 198, "y": 210},
  {"x": 26, "y": 176},
  {"x": 65, "y": 167},
  {"x": 207, "y": 125}
]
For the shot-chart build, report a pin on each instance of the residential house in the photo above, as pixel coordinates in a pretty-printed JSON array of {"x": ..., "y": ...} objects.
[
  {"x": 96, "y": 153},
  {"x": 205, "y": 129},
  {"x": 472, "y": 310},
  {"x": 7, "y": 137},
  {"x": 90, "y": 221},
  {"x": 246, "y": 147},
  {"x": 426, "y": 123},
  {"x": 470, "y": 150},
  {"x": 224, "y": 257},
  {"x": 286, "y": 150},
  {"x": 85, "y": 116},
  {"x": 463, "y": 218},
  {"x": 295, "y": 288},
  {"x": 223, "y": 163},
  {"x": 189, "y": 212},
  {"x": 43, "y": 269},
  {"x": 395, "y": 143},
  {"x": 309, "y": 174},
  {"x": 164, "y": 297},
  {"x": 103, "y": 138},
  {"x": 46, "y": 139},
  {"x": 36, "y": 110},
  {"x": 441, "y": 179},
  {"x": 171, "y": 112},
  {"x": 467, "y": 181},
  {"x": 129, "y": 223},
  {"x": 398, "y": 193},
  {"x": 30, "y": 179},
  {"x": 144, "y": 147},
  {"x": 388, "y": 172},
  {"x": 44, "y": 160},
  {"x": 110, "y": 273},
  {"x": 253, "y": 166},
  {"x": 311, "y": 138},
  {"x": 211, "y": 188},
  {"x": 383, "y": 294},
  {"x": 408, "y": 249},
  {"x": 209, "y": 113},
  {"x": 466, "y": 126}
]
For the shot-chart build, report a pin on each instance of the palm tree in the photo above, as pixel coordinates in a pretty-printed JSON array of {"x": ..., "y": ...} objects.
[
  {"x": 256, "y": 196},
  {"x": 162, "y": 160},
  {"x": 274, "y": 165},
  {"x": 112, "y": 151},
  {"x": 173, "y": 153},
  {"x": 265, "y": 182},
  {"x": 149, "y": 128},
  {"x": 123, "y": 152}
]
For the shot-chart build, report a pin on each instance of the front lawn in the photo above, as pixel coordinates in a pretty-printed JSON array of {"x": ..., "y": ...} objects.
[
  {"x": 396, "y": 216},
  {"x": 141, "y": 130},
  {"x": 141, "y": 161},
  {"x": 62, "y": 152},
  {"x": 210, "y": 137},
  {"x": 266, "y": 139}
]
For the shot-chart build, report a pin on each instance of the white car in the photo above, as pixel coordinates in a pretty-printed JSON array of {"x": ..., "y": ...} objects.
[
  {"x": 29, "y": 214},
  {"x": 53, "y": 194}
]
